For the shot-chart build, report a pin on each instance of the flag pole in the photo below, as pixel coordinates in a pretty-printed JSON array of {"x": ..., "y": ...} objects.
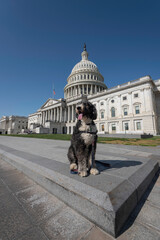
[{"x": 53, "y": 91}]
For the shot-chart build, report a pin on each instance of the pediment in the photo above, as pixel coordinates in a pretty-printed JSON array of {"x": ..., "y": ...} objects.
[{"x": 49, "y": 102}]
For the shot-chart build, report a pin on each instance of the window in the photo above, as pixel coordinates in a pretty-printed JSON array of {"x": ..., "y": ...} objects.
[
  {"x": 125, "y": 111},
  {"x": 126, "y": 126},
  {"x": 112, "y": 101},
  {"x": 137, "y": 110},
  {"x": 102, "y": 103},
  {"x": 138, "y": 125},
  {"x": 84, "y": 76},
  {"x": 124, "y": 98},
  {"x": 113, "y": 127},
  {"x": 88, "y": 76},
  {"x": 135, "y": 95},
  {"x": 102, "y": 114},
  {"x": 94, "y": 77},
  {"x": 102, "y": 127},
  {"x": 113, "y": 112},
  {"x": 91, "y": 76}
]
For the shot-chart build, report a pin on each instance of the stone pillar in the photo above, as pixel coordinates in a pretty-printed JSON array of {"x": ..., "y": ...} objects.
[
  {"x": 46, "y": 115},
  {"x": 57, "y": 114},
  {"x": 151, "y": 99},
  {"x": 143, "y": 102},
  {"x": 49, "y": 115},
  {"x": 95, "y": 88},
  {"x": 91, "y": 89},
  {"x": 42, "y": 118},
  {"x": 87, "y": 88},
  {"x": 72, "y": 113},
  {"x": 60, "y": 114},
  {"x": 52, "y": 114},
  {"x": 65, "y": 115},
  {"x": 68, "y": 113},
  {"x": 83, "y": 89}
]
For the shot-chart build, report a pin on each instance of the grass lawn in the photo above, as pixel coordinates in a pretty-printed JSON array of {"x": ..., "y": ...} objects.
[{"x": 155, "y": 141}]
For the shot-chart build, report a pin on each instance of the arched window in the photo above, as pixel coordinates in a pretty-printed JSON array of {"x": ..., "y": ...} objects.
[
  {"x": 102, "y": 114},
  {"x": 113, "y": 112}
]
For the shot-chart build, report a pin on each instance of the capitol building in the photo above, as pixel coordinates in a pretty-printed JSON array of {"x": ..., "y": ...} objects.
[{"x": 130, "y": 108}]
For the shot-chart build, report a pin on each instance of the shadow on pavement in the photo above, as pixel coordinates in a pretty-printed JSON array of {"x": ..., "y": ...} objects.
[{"x": 103, "y": 165}]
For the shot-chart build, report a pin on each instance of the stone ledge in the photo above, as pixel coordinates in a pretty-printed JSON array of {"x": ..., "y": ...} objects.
[{"x": 108, "y": 210}]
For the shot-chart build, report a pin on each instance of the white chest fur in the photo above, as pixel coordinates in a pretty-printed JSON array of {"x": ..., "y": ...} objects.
[{"x": 87, "y": 137}]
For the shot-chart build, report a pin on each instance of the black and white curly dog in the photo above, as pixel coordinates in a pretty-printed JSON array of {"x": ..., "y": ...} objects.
[{"x": 81, "y": 153}]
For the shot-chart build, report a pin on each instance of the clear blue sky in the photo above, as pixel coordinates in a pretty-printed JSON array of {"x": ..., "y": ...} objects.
[{"x": 42, "y": 40}]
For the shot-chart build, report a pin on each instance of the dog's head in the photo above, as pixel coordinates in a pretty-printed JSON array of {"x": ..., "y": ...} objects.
[{"x": 87, "y": 109}]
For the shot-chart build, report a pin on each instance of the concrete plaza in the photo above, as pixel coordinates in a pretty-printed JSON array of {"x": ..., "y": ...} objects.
[{"x": 105, "y": 200}]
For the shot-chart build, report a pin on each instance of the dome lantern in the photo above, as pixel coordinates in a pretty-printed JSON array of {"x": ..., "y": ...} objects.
[{"x": 84, "y": 54}]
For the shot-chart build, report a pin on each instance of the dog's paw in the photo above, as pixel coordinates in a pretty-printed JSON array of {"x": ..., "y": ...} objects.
[
  {"x": 73, "y": 166},
  {"x": 83, "y": 173},
  {"x": 94, "y": 171}
]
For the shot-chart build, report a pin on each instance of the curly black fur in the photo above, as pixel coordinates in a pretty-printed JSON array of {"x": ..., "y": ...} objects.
[{"x": 82, "y": 150}]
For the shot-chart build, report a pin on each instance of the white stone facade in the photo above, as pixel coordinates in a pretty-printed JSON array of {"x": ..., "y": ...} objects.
[
  {"x": 130, "y": 108},
  {"x": 13, "y": 124}
]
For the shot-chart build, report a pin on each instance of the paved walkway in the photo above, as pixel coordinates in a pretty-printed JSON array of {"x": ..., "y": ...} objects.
[{"x": 28, "y": 212}]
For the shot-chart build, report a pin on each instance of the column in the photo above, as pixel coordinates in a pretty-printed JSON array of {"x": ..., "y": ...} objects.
[
  {"x": 42, "y": 118},
  {"x": 64, "y": 115},
  {"x": 54, "y": 117},
  {"x": 68, "y": 113},
  {"x": 72, "y": 113},
  {"x": 61, "y": 119},
  {"x": 57, "y": 114},
  {"x": 83, "y": 89},
  {"x": 46, "y": 115},
  {"x": 51, "y": 114},
  {"x": 91, "y": 89},
  {"x": 95, "y": 88}
]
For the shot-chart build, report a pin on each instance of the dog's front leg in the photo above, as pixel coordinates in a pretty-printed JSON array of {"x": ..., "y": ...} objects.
[
  {"x": 82, "y": 167},
  {"x": 93, "y": 170}
]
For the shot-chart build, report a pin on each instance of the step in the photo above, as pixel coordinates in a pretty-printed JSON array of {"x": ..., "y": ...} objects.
[{"x": 106, "y": 199}]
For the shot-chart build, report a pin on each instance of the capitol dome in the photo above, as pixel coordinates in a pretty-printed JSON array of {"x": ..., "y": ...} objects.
[{"x": 85, "y": 78}]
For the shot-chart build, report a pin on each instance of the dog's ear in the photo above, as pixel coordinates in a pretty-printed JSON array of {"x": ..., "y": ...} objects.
[{"x": 94, "y": 113}]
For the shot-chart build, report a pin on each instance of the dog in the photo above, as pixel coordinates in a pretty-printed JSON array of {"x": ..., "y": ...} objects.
[{"x": 81, "y": 153}]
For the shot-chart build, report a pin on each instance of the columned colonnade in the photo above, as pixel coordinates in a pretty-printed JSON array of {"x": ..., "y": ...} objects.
[
  {"x": 82, "y": 89},
  {"x": 59, "y": 114}
]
